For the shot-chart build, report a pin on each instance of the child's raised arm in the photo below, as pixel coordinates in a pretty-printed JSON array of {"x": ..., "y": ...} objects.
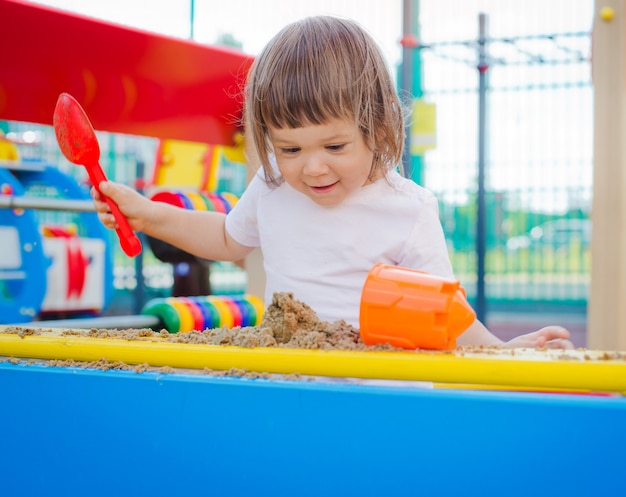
[{"x": 200, "y": 233}]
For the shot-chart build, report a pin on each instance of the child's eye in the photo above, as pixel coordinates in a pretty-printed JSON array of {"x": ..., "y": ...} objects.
[
  {"x": 335, "y": 148},
  {"x": 291, "y": 150}
]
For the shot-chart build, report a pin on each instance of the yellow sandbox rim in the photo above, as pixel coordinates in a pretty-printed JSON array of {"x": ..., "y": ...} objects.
[{"x": 581, "y": 370}]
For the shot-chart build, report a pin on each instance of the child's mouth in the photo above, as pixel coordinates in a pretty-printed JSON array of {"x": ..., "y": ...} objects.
[{"x": 325, "y": 188}]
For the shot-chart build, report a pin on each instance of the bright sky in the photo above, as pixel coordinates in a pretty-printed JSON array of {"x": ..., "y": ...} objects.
[{"x": 254, "y": 22}]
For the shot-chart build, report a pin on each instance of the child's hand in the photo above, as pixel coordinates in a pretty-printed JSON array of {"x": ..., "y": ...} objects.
[
  {"x": 552, "y": 337},
  {"x": 135, "y": 207}
]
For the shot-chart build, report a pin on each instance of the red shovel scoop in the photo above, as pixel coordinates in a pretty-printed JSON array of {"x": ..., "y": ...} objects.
[{"x": 79, "y": 144}]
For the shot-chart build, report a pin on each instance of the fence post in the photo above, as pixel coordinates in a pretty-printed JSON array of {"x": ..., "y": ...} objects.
[
  {"x": 481, "y": 301},
  {"x": 406, "y": 83}
]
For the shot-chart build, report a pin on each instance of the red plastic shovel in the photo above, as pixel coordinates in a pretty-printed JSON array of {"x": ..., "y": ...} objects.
[{"x": 79, "y": 144}]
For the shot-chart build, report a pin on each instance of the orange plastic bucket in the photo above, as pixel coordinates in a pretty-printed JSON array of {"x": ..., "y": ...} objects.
[{"x": 411, "y": 309}]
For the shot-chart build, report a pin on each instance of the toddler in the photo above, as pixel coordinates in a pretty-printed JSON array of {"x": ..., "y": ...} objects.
[{"x": 324, "y": 120}]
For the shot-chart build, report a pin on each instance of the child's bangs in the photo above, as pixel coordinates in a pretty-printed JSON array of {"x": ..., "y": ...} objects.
[{"x": 301, "y": 101}]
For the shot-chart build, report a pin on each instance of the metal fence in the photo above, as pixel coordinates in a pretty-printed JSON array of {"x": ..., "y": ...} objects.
[{"x": 512, "y": 165}]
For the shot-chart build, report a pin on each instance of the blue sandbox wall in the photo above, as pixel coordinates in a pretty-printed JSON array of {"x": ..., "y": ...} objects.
[{"x": 69, "y": 431}]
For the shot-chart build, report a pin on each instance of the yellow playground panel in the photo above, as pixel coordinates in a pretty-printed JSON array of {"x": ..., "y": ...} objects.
[
  {"x": 184, "y": 164},
  {"x": 8, "y": 149}
]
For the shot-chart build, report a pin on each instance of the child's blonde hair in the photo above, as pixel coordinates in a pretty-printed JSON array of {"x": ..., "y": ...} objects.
[{"x": 321, "y": 68}]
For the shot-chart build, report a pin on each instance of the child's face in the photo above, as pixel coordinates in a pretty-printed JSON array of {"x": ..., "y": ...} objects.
[{"x": 326, "y": 162}]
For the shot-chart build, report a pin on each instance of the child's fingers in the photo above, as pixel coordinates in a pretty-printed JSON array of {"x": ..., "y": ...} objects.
[
  {"x": 108, "y": 220},
  {"x": 553, "y": 332},
  {"x": 554, "y": 337},
  {"x": 559, "y": 343},
  {"x": 103, "y": 210},
  {"x": 115, "y": 191},
  {"x": 95, "y": 194}
]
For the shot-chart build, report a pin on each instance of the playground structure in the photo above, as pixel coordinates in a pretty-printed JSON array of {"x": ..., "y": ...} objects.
[
  {"x": 48, "y": 269},
  {"x": 243, "y": 436}
]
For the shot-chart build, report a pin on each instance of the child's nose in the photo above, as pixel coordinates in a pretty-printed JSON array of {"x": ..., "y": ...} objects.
[{"x": 315, "y": 166}]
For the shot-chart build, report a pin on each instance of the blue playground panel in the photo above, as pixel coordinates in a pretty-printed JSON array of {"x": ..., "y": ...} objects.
[
  {"x": 69, "y": 431},
  {"x": 22, "y": 294},
  {"x": 68, "y": 187}
]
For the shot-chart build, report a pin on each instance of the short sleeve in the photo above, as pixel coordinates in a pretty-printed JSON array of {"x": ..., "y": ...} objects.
[
  {"x": 242, "y": 221},
  {"x": 426, "y": 247}
]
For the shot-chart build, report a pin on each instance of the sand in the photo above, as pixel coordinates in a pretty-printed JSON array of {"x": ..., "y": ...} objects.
[{"x": 287, "y": 323}]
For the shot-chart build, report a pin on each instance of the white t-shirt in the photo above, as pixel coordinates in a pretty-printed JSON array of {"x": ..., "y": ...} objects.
[{"x": 323, "y": 253}]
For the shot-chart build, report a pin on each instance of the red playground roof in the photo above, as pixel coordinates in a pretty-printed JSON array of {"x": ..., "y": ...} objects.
[{"x": 127, "y": 80}]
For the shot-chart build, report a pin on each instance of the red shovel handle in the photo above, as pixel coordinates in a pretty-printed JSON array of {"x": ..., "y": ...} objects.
[{"x": 129, "y": 241}]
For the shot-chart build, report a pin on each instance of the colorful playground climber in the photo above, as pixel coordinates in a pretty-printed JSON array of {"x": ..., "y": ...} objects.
[
  {"x": 183, "y": 314},
  {"x": 201, "y": 201}
]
